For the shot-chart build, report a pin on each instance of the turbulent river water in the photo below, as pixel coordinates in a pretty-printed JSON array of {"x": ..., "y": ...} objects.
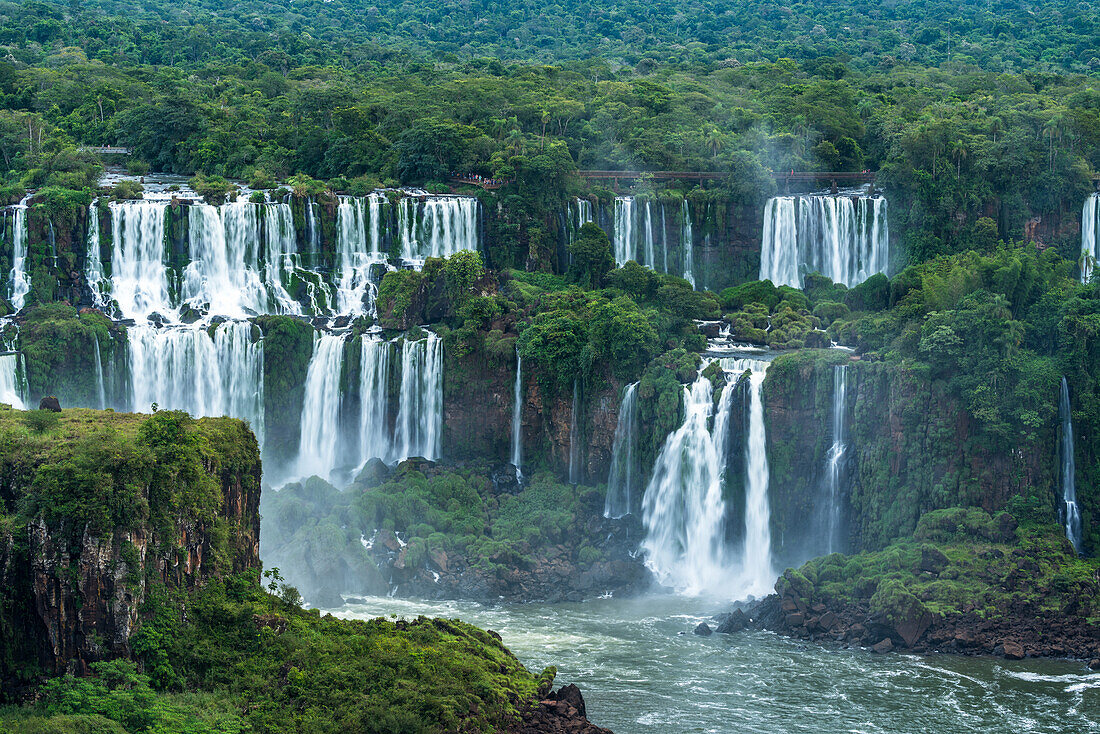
[{"x": 642, "y": 670}]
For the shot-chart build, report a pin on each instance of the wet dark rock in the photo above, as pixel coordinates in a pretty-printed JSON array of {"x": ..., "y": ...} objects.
[
  {"x": 1094, "y": 664},
  {"x": 703, "y": 629},
  {"x": 563, "y": 711},
  {"x": 49, "y": 403},
  {"x": 1013, "y": 650},
  {"x": 733, "y": 622},
  {"x": 883, "y": 646}
]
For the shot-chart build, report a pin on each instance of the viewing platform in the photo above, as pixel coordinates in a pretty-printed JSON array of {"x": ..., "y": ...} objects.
[{"x": 782, "y": 176}]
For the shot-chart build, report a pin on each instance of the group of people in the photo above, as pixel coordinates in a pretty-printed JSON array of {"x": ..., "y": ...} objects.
[{"x": 479, "y": 179}]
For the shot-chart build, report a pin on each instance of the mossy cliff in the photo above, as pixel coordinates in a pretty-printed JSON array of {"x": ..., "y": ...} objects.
[
  {"x": 97, "y": 508},
  {"x": 913, "y": 447}
]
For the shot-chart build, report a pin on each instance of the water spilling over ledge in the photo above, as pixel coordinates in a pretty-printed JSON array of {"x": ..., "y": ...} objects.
[{"x": 846, "y": 238}]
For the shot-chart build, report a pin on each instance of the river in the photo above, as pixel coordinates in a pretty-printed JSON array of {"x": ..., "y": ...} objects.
[{"x": 643, "y": 671}]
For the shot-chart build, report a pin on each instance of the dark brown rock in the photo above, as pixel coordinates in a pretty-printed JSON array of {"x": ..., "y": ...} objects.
[
  {"x": 49, "y": 403},
  {"x": 1013, "y": 650},
  {"x": 932, "y": 560},
  {"x": 795, "y": 619},
  {"x": 883, "y": 646}
]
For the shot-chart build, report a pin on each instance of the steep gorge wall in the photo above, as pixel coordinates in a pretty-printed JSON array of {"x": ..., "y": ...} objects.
[
  {"x": 912, "y": 448},
  {"x": 98, "y": 513}
]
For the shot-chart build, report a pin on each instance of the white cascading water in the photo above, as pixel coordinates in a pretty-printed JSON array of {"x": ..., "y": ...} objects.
[
  {"x": 12, "y": 385},
  {"x": 97, "y": 280},
  {"x": 20, "y": 282},
  {"x": 358, "y": 248},
  {"x": 187, "y": 368},
  {"x": 419, "y": 426},
  {"x": 647, "y": 237},
  {"x": 139, "y": 262},
  {"x": 619, "y": 500},
  {"x": 687, "y": 241},
  {"x": 517, "y": 419},
  {"x": 100, "y": 382},
  {"x": 846, "y": 238},
  {"x": 682, "y": 509},
  {"x": 320, "y": 426},
  {"x": 757, "y": 575},
  {"x": 1090, "y": 226},
  {"x": 574, "y": 438},
  {"x": 1069, "y": 471},
  {"x": 375, "y": 435},
  {"x": 622, "y": 240},
  {"x": 280, "y": 261},
  {"x": 223, "y": 276},
  {"x": 313, "y": 226},
  {"x": 835, "y": 459},
  {"x": 436, "y": 226}
]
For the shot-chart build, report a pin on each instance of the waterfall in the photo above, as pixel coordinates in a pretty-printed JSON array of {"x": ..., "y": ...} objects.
[
  {"x": 11, "y": 381},
  {"x": 188, "y": 368},
  {"x": 20, "y": 283},
  {"x": 620, "y": 481},
  {"x": 836, "y": 458},
  {"x": 280, "y": 260},
  {"x": 358, "y": 248},
  {"x": 437, "y": 226},
  {"x": 647, "y": 237},
  {"x": 1069, "y": 471},
  {"x": 517, "y": 418},
  {"x": 139, "y": 265},
  {"x": 100, "y": 388},
  {"x": 1090, "y": 213},
  {"x": 756, "y": 566},
  {"x": 375, "y": 438},
  {"x": 687, "y": 242},
  {"x": 664, "y": 241},
  {"x": 320, "y": 426},
  {"x": 574, "y": 439},
  {"x": 97, "y": 281},
  {"x": 682, "y": 509},
  {"x": 222, "y": 276},
  {"x": 843, "y": 237},
  {"x": 623, "y": 240},
  {"x": 419, "y": 425},
  {"x": 313, "y": 228}
]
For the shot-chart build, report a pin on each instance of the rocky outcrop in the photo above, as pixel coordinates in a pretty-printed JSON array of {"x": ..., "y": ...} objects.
[
  {"x": 71, "y": 592},
  {"x": 560, "y": 711}
]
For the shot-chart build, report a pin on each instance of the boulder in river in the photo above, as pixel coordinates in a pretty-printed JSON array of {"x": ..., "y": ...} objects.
[
  {"x": 883, "y": 646},
  {"x": 703, "y": 629}
]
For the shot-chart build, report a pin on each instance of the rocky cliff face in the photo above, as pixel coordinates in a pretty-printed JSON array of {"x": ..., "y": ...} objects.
[
  {"x": 72, "y": 587},
  {"x": 912, "y": 448}
]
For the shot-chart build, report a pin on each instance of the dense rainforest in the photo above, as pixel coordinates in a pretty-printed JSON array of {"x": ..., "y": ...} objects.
[{"x": 473, "y": 370}]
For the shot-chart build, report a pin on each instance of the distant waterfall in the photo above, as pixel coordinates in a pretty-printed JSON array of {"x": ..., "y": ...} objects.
[
  {"x": 12, "y": 384},
  {"x": 358, "y": 248},
  {"x": 1090, "y": 219},
  {"x": 20, "y": 282},
  {"x": 836, "y": 458},
  {"x": 223, "y": 276},
  {"x": 756, "y": 564},
  {"x": 317, "y": 446},
  {"x": 419, "y": 424},
  {"x": 575, "y": 438},
  {"x": 517, "y": 418},
  {"x": 622, "y": 240},
  {"x": 437, "y": 226},
  {"x": 280, "y": 262},
  {"x": 100, "y": 383},
  {"x": 139, "y": 262},
  {"x": 682, "y": 509},
  {"x": 846, "y": 238},
  {"x": 687, "y": 241},
  {"x": 1069, "y": 471},
  {"x": 417, "y": 427},
  {"x": 313, "y": 226},
  {"x": 97, "y": 279},
  {"x": 620, "y": 482},
  {"x": 187, "y": 368}
]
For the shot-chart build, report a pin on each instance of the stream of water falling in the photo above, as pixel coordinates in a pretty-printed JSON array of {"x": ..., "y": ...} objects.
[
  {"x": 642, "y": 672},
  {"x": 620, "y": 481},
  {"x": 11, "y": 381},
  {"x": 20, "y": 282},
  {"x": 575, "y": 438},
  {"x": 1069, "y": 470},
  {"x": 846, "y": 238},
  {"x": 1090, "y": 227},
  {"x": 835, "y": 459},
  {"x": 517, "y": 418}
]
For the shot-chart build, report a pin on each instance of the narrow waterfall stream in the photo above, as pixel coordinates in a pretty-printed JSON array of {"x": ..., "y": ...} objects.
[
  {"x": 835, "y": 459},
  {"x": 517, "y": 419},
  {"x": 12, "y": 390},
  {"x": 574, "y": 439},
  {"x": 687, "y": 241},
  {"x": 1069, "y": 471},
  {"x": 845, "y": 237},
  {"x": 620, "y": 481},
  {"x": 100, "y": 386},
  {"x": 20, "y": 282},
  {"x": 1090, "y": 228},
  {"x": 318, "y": 444}
]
